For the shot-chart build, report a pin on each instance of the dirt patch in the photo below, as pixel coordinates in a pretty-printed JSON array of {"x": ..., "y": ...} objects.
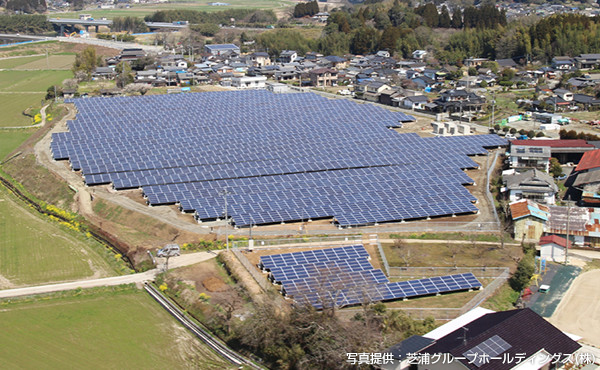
[
  {"x": 214, "y": 284},
  {"x": 578, "y": 311}
]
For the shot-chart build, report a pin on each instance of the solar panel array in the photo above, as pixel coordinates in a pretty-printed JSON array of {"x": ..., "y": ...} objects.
[
  {"x": 282, "y": 157},
  {"x": 491, "y": 347},
  {"x": 343, "y": 276}
]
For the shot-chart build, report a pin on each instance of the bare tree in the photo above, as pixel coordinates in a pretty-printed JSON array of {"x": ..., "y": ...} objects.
[{"x": 137, "y": 88}]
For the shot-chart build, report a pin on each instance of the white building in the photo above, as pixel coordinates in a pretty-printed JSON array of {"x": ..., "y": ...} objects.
[{"x": 249, "y": 82}]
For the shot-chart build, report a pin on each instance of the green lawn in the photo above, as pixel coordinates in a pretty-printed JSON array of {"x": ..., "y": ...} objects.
[
  {"x": 101, "y": 329},
  {"x": 11, "y": 139},
  {"x": 34, "y": 250}
]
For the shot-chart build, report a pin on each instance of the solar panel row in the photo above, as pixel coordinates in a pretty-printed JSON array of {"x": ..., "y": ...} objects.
[
  {"x": 284, "y": 157},
  {"x": 343, "y": 276}
]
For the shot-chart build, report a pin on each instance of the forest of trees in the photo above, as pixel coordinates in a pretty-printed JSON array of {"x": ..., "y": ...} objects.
[
  {"x": 476, "y": 32},
  {"x": 22, "y": 23}
]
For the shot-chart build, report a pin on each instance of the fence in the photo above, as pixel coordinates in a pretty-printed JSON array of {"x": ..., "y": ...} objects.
[
  {"x": 302, "y": 242},
  {"x": 422, "y": 272},
  {"x": 488, "y": 193},
  {"x": 260, "y": 279},
  {"x": 487, "y": 291}
]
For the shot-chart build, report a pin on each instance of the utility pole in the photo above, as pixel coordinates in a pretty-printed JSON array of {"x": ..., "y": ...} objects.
[
  {"x": 225, "y": 193},
  {"x": 493, "y": 109},
  {"x": 568, "y": 217}
]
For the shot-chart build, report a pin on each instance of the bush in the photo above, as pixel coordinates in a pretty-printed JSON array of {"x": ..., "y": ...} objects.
[{"x": 522, "y": 276}]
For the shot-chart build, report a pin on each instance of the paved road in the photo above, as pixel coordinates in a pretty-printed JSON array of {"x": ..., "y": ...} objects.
[{"x": 184, "y": 260}]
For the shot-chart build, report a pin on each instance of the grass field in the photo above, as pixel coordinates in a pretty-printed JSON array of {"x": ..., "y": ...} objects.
[
  {"x": 16, "y": 62},
  {"x": 11, "y": 139},
  {"x": 33, "y": 250},
  {"x": 448, "y": 255},
  {"x": 145, "y": 9},
  {"x": 126, "y": 329},
  {"x": 20, "y": 90},
  {"x": 12, "y": 106},
  {"x": 54, "y": 62},
  {"x": 31, "y": 81}
]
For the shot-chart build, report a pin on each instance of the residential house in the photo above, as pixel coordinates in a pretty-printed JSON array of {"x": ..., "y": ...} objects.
[
  {"x": 587, "y": 178},
  {"x": 563, "y": 63},
  {"x": 533, "y": 184},
  {"x": 288, "y": 56},
  {"x": 131, "y": 54},
  {"x": 415, "y": 102},
  {"x": 526, "y": 157},
  {"x": 258, "y": 59},
  {"x": 336, "y": 62},
  {"x": 221, "y": 49},
  {"x": 371, "y": 90},
  {"x": 249, "y": 82},
  {"x": 552, "y": 248},
  {"x": 286, "y": 73},
  {"x": 563, "y": 150},
  {"x": 457, "y": 100},
  {"x": 322, "y": 77},
  {"x": 584, "y": 225},
  {"x": 587, "y": 61},
  {"x": 529, "y": 219},
  {"x": 107, "y": 73},
  {"x": 419, "y": 54},
  {"x": 505, "y": 340},
  {"x": 586, "y": 102},
  {"x": 506, "y": 64}
]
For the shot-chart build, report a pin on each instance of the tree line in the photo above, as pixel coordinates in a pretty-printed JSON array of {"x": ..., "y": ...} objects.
[
  {"x": 306, "y": 9},
  {"x": 23, "y": 23},
  {"x": 224, "y": 17}
]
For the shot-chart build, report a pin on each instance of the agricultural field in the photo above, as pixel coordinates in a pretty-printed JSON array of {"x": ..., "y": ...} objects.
[
  {"x": 20, "y": 90},
  {"x": 145, "y": 9},
  {"x": 11, "y": 139},
  {"x": 34, "y": 250},
  {"x": 120, "y": 327}
]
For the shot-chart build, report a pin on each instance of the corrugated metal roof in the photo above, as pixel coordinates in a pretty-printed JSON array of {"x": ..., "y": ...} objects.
[
  {"x": 555, "y": 143},
  {"x": 589, "y": 160}
]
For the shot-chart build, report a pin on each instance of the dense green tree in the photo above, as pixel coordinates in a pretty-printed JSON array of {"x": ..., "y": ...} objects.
[
  {"x": 396, "y": 14},
  {"x": 522, "y": 276},
  {"x": 364, "y": 41},
  {"x": 306, "y": 9},
  {"x": 444, "y": 18},
  {"x": 389, "y": 39},
  {"x": 86, "y": 61},
  {"x": 382, "y": 20},
  {"x": 457, "y": 19},
  {"x": 205, "y": 29},
  {"x": 429, "y": 13}
]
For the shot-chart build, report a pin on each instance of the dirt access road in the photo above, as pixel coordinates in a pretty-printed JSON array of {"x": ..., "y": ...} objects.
[
  {"x": 578, "y": 312},
  {"x": 174, "y": 262}
]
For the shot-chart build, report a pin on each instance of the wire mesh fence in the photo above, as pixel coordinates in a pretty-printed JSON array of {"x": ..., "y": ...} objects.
[{"x": 424, "y": 272}]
